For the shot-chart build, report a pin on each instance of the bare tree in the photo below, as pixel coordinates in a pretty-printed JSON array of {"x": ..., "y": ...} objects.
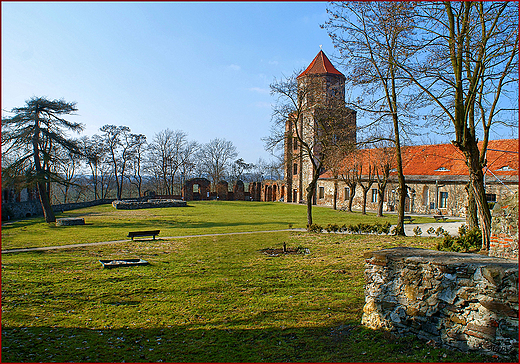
[
  {"x": 313, "y": 121},
  {"x": 214, "y": 158},
  {"x": 94, "y": 153},
  {"x": 136, "y": 162},
  {"x": 66, "y": 166},
  {"x": 239, "y": 167},
  {"x": 188, "y": 161},
  {"x": 468, "y": 61},
  {"x": 121, "y": 144},
  {"x": 384, "y": 161},
  {"x": 365, "y": 182},
  {"x": 371, "y": 39},
  {"x": 348, "y": 172}
]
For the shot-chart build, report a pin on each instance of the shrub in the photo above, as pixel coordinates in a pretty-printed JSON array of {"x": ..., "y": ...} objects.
[
  {"x": 332, "y": 228},
  {"x": 440, "y": 231},
  {"x": 468, "y": 240},
  {"x": 417, "y": 231},
  {"x": 431, "y": 230},
  {"x": 315, "y": 228}
]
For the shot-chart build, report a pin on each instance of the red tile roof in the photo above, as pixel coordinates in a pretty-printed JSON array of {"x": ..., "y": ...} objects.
[
  {"x": 320, "y": 65},
  {"x": 446, "y": 160}
]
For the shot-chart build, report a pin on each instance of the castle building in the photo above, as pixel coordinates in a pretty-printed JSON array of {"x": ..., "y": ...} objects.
[
  {"x": 436, "y": 175},
  {"x": 322, "y": 117}
]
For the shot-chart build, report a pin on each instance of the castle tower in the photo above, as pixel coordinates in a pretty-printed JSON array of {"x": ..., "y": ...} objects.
[{"x": 321, "y": 88}]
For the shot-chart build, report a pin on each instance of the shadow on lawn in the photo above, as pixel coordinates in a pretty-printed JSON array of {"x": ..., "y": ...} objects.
[{"x": 347, "y": 343}]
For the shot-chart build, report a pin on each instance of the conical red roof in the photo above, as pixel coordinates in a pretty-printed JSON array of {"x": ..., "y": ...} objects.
[{"x": 320, "y": 65}]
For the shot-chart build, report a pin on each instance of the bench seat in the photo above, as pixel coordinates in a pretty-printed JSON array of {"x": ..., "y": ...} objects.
[{"x": 153, "y": 233}]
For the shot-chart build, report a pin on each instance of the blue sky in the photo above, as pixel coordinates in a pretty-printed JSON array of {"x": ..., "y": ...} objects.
[{"x": 204, "y": 68}]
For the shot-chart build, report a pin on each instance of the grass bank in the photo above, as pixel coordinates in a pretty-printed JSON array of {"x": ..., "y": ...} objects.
[{"x": 205, "y": 299}]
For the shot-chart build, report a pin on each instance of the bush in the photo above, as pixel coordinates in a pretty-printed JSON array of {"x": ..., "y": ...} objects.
[
  {"x": 417, "y": 231},
  {"x": 440, "y": 231},
  {"x": 431, "y": 230},
  {"x": 468, "y": 240},
  {"x": 315, "y": 228},
  {"x": 332, "y": 228},
  {"x": 360, "y": 228}
]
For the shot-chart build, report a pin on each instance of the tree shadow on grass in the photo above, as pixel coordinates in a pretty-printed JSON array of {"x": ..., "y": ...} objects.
[{"x": 347, "y": 342}]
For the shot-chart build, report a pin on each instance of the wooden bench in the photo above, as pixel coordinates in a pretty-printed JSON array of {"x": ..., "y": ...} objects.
[
  {"x": 408, "y": 218},
  {"x": 133, "y": 234},
  {"x": 440, "y": 218}
]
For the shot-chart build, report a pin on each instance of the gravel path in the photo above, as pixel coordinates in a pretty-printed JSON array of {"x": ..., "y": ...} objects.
[{"x": 450, "y": 227}]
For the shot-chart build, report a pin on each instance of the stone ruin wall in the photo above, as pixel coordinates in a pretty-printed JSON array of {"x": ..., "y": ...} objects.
[
  {"x": 504, "y": 228},
  {"x": 460, "y": 301}
]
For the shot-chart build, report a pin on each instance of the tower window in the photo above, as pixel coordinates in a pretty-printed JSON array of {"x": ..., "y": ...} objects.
[{"x": 295, "y": 168}]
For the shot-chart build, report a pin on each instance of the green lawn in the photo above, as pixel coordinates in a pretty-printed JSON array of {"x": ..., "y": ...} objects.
[
  {"x": 105, "y": 223},
  {"x": 204, "y": 299}
]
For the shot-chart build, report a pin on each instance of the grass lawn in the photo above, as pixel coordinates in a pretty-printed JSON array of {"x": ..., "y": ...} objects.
[
  {"x": 204, "y": 299},
  {"x": 105, "y": 223}
]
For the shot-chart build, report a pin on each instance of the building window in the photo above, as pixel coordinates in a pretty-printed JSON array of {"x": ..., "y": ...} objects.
[
  {"x": 295, "y": 144},
  {"x": 374, "y": 195},
  {"x": 321, "y": 192},
  {"x": 443, "y": 203},
  {"x": 295, "y": 168},
  {"x": 426, "y": 196},
  {"x": 347, "y": 193},
  {"x": 491, "y": 197}
]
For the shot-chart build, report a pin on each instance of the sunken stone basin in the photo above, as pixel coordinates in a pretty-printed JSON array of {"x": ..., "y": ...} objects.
[
  {"x": 148, "y": 204},
  {"x": 69, "y": 221}
]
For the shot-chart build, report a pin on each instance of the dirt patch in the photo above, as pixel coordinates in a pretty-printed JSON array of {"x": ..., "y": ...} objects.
[{"x": 274, "y": 252}]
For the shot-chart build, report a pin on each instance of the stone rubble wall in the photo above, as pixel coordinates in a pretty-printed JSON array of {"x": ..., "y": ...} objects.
[
  {"x": 460, "y": 301},
  {"x": 504, "y": 228},
  {"x": 151, "y": 203}
]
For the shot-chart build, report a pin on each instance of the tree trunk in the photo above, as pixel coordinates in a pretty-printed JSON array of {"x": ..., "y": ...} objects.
[
  {"x": 476, "y": 177},
  {"x": 399, "y": 229},
  {"x": 311, "y": 190},
  {"x": 381, "y": 197},
  {"x": 365, "y": 192},
  {"x": 471, "y": 212},
  {"x": 335, "y": 201},
  {"x": 40, "y": 176},
  {"x": 352, "y": 191}
]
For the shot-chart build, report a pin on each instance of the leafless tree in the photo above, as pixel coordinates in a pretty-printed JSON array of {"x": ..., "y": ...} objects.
[
  {"x": 468, "y": 61},
  {"x": 66, "y": 166},
  {"x": 94, "y": 154},
  {"x": 215, "y": 157},
  {"x": 136, "y": 163},
  {"x": 121, "y": 144},
  {"x": 383, "y": 162},
  {"x": 316, "y": 124},
  {"x": 371, "y": 37},
  {"x": 366, "y": 181}
]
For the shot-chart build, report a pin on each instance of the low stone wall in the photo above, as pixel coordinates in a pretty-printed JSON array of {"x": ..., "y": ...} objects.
[
  {"x": 21, "y": 210},
  {"x": 504, "y": 228},
  {"x": 461, "y": 301},
  {"x": 151, "y": 203},
  {"x": 70, "y": 221}
]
